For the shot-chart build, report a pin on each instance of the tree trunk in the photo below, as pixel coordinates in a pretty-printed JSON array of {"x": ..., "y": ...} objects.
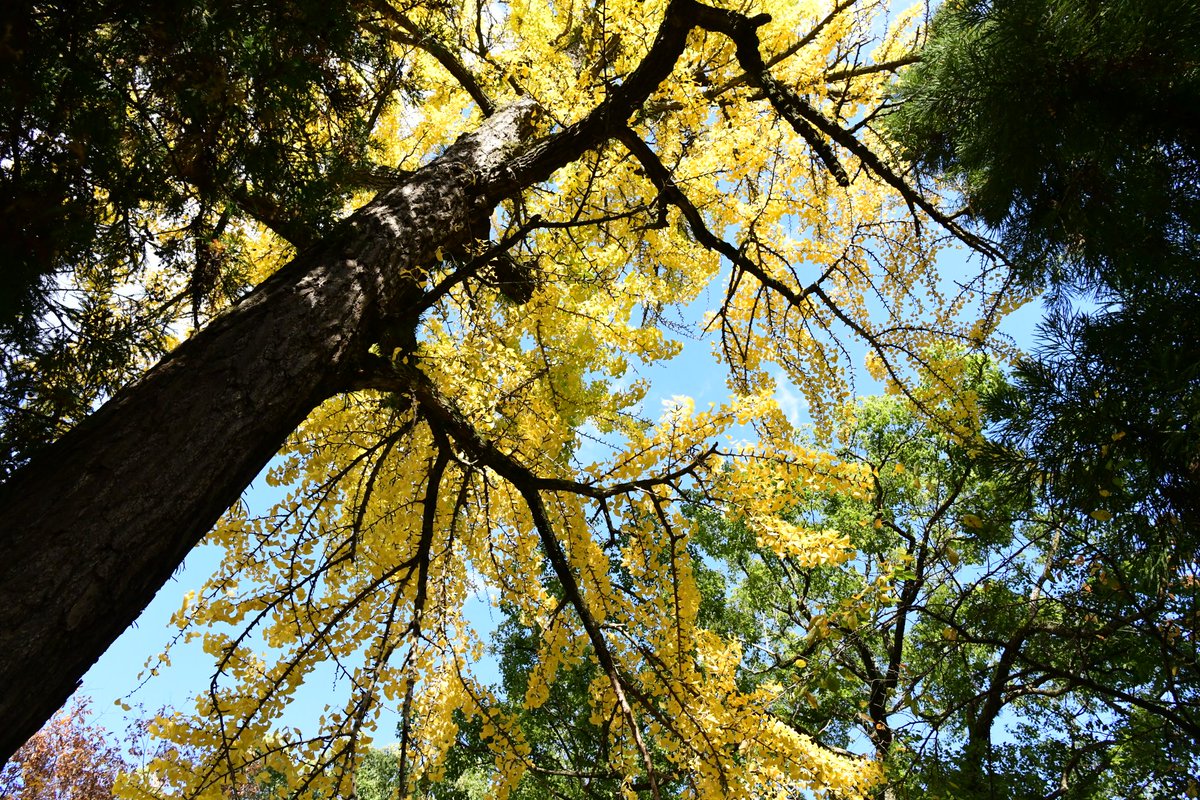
[{"x": 98, "y": 522}]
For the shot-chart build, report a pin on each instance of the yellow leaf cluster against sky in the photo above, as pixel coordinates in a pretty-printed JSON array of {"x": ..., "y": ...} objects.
[{"x": 399, "y": 506}]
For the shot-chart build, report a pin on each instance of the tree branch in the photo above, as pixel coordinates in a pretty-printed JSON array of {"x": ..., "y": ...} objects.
[{"x": 425, "y": 41}]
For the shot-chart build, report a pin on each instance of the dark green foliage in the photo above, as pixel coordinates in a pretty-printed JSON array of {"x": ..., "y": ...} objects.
[
  {"x": 984, "y": 643},
  {"x": 1072, "y": 128},
  {"x": 137, "y": 136},
  {"x": 108, "y": 109},
  {"x": 1110, "y": 410}
]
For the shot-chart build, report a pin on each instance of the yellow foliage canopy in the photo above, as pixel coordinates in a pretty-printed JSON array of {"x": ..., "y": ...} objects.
[{"x": 464, "y": 466}]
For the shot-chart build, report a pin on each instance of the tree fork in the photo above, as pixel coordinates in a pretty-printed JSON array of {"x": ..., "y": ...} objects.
[
  {"x": 94, "y": 526},
  {"x": 98, "y": 522}
]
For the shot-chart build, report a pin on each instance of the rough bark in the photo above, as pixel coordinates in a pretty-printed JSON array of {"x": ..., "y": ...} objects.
[
  {"x": 98, "y": 522},
  {"x": 92, "y": 528},
  {"x": 95, "y": 525}
]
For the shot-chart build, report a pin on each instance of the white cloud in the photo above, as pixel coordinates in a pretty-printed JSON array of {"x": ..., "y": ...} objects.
[{"x": 790, "y": 401}]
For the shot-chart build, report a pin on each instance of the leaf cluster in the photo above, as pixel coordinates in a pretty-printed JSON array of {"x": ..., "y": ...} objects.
[
  {"x": 70, "y": 757},
  {"x": 1069, "y": 128},
  {"x": 136, "y": 146}
]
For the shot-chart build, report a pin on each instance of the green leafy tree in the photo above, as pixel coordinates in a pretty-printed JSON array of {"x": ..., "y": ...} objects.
[
  {"x": 982, "y": 642},
  {"x": 378, "y": 775},
  {"x": 134, "y": 140},
  {"x": 1070, "y": 129},
  {"x": 979, "y": 642}
]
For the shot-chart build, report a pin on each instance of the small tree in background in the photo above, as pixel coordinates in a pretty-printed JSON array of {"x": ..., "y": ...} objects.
[{"x": 68, "y": 759}]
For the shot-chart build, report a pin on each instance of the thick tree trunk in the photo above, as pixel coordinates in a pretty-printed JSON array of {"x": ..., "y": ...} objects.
[
  {"x": 96, "y": 524},
  {"x": 92, "y": 528}
]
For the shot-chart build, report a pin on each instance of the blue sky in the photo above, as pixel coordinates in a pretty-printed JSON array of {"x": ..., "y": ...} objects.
[{"x": 115, "y": 676}]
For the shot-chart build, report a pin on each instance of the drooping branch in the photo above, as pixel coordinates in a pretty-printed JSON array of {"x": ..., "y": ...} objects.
[
  {"x": 804, "y": 117},
  {"x": 662, "y": 179},
  {"x": 562, "y": 570},
  {"x": 414, "y": 36},
  {"x": 529, "y": 486},
  {"x": 671, "y": 193}
]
